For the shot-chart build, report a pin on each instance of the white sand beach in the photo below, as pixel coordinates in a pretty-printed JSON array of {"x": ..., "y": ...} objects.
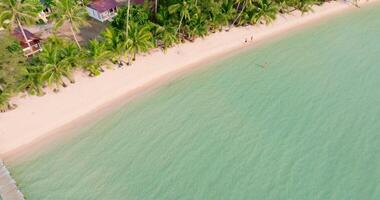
[{"x": 38, "y": 117}]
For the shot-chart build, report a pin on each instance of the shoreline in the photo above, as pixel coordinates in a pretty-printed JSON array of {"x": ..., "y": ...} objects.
[{"x": 39, "y": 118}]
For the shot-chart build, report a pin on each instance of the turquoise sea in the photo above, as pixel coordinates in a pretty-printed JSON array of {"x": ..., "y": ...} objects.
[{"x": 296, "y": 118}]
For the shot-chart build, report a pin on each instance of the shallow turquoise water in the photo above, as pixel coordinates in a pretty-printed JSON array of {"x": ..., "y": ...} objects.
[{"x": 304, "y": 127}]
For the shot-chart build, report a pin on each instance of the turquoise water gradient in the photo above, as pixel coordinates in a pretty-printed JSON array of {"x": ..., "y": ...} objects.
[{"x": 306, "y": 126}]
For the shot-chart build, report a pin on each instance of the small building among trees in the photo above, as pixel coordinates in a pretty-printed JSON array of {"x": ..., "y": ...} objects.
[
  {"x": 33, "y": 43},
  {"x": 102, "y": 10}
]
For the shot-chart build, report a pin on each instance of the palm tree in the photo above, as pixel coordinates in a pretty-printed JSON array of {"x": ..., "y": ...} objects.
[
  {"x": 197, "y": 27},
  {"x": 17, "y": 12},
  {"x": 32, "y": 81},
  {"x": 183, "y": 8},
  {"x": 245, "y": 4},
  {"x": 264, "y": 10},
  {"x": 304, "y": 5},
  {"x": 166, "y": 35},
  {"x": 55, "y": 65},
  {"x": 115, "y": 41},
  {"x": 73, "y": 13},
  {"x": 71, "y": 56},
  {"x": 212, "y": 13},
  {"x": 139, "y": 39},
  {"x": 96, "y": 54},
  {"x": 228, "y": 11}
]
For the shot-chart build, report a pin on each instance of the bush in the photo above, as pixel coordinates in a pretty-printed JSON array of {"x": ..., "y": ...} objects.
[{"x": 12, "y": 66}]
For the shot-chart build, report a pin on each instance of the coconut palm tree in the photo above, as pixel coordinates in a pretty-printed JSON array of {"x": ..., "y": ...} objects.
[
  {"x": 116, "y": 42},
  {"x": 197, "y": 26},
  {"x": 183, "y": 9},
  {"x": 96, "y": 54},
  {"x": 139, "y": 39},
  {"x": 73, "y": 13},
  {"x": 304, "y": 5},
  {"x": 55, "y": 65},
  {"x": 71, "y": 56},
  {"x": 212, "y": 14},
  {"x": 18, "y": 12},
  {"x": 166, "y": 34},
  {"x": 31, "y": 81},
  {"x": 264, "y": 10},
  {"x": 228, "y": 11},
  {"x": 243, "y": 4}
]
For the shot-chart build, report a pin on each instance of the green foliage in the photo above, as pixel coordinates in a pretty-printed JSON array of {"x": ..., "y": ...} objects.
[
  {"x": 48, "y": 3},
  {"x": 139, "y": 39},
  {"x": 263, "y": 11},
  {"x": 115, "y": 41},
  {"x": 4, "y": 100},
  {"x": 54, "y": 63},
  {"x": 13, "y": 12},
  {"x": 10, "y": 61},
  {"x": 31, "y": 81},
  {"x": 96, "y": 54},
  {"x": 14, "y": 47},
  {"x": 167, "y": 35},
  {"x": 138, "y": 14},
  {"x": 12, "y": 66}
]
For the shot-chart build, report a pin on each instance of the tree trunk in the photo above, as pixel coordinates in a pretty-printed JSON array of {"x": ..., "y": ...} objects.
[
  {"x": 155, "y": 7},
  {"x": 75, "y": 36},
  {"x": 120, "y": 60},
  {"x": 127, "y": 28},
  {"x": 128, "y": 60},
  {"x": 23, "y": 33},
  {"x": 127, "y": 23},
  {"x": 180, "y": 23},
  {"x": 241, "y": 12}
]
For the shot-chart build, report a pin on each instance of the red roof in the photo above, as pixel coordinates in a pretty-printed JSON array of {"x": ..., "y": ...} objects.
[
  {"x": 102, "y": 5},
  {"x": 30, "y": 36}
]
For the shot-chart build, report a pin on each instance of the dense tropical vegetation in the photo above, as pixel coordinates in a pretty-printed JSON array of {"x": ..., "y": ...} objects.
[{"x": 136, "y": 29}]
